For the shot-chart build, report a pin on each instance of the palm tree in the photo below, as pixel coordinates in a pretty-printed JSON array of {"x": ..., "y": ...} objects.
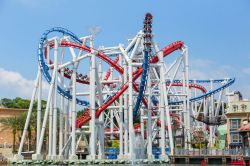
[{"x": 13, "y": 124}]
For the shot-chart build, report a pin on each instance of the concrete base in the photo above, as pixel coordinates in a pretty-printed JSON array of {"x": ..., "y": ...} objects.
[
  {"x": 36, "y": 157},
  {"x": 120, "y": 156},
  {"x": 90, "y": 157},
  {"x": 53, "y": 157},
  {"x": 101, "y": 157},
  {"x": 164, "y": 157},
  {"x": 60, "y": 157},
  {"x": 151, "y": 157},
  {"x": 73, "y": 157},
  {"x": 125, "y": 156},
  {"x": 18, "y": 157},
  {"x": 131, "y": 157},
  {"x": 48, "y": 157}
]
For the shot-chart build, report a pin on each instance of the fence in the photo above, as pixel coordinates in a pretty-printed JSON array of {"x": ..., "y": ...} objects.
[{"x": 207, "y": 152}]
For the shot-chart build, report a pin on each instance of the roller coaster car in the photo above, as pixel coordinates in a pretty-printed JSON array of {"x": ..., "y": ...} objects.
[{"x": 212, "y": 121}]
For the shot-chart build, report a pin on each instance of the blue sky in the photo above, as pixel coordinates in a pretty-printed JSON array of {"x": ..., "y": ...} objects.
[{"x": 216, "y": 32}]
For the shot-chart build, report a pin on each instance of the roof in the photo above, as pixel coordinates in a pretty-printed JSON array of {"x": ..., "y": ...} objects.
[{"x": 245, "y": 128}]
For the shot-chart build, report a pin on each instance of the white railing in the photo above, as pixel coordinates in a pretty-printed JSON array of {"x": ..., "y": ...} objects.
[{"x": 213, "y": 152}]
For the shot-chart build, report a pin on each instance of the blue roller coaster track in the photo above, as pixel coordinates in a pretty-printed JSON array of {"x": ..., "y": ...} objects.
[
  {"x": 45, "y": 68},
  {"x": 145, "y": 65}
]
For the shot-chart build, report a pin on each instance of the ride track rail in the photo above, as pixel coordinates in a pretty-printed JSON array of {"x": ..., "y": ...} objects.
[
  {"x": 86, "y": 115},
  {"x": 145, "y": 66}
]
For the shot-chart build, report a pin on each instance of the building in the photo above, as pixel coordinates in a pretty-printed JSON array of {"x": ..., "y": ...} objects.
[
  {"x": 245, "y": 134},
  {"x": 238, "y": 115}
]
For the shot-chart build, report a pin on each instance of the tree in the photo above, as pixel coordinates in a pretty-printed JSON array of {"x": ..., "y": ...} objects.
[
  {"x": 20, "y": 103},
  {"x": 6, "y": 102},
  {"x": 12, "y": 123}
]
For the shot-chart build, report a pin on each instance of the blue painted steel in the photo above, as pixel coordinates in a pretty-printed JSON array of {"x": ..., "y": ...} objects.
[
  {"x": 154, "y": 100},
  {"x": 157, "y": 152},
  {"x": 112, "y": 153},
  {"x": 201, "y": 81},
  {"x": 45, "y": 68},
  {"x": 209, "y": 93},
  {"x": 145, "y": 67}
]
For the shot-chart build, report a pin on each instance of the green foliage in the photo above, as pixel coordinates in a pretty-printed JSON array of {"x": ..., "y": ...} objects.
[
  {"x": 112, "y": 143},
  {"x": 80, "y": 112},
  {"x": 6, "y": 102},
  {"x": 109, "y": 143},
  {"x": 115, "y": 143},
  {"x": 16, "y": 123},
  {"x": 19, "y": 103}
]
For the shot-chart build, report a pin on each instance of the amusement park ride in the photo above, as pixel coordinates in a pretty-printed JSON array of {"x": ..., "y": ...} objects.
[{"x": 135, "y": 94}]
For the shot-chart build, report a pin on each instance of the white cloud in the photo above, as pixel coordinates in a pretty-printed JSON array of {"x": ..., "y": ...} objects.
[
  {"x": 13, "y": 84},
  {"x": 207, "y": 69}
]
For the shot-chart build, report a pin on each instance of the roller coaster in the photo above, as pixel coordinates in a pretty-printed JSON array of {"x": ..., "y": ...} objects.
[{"x": 134, "y": 94}]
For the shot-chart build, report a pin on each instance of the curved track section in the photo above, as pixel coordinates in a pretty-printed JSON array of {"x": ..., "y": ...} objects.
[
  {"x": 209, "y": 93},
  {"x": 44, "y": 66}
]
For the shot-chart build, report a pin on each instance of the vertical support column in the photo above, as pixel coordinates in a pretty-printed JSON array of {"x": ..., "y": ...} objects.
[
  {"x": 162, "y": 108},
  {"x": 125, "y": 110},
  {"x": 111, "y": 110},
  {"x": 187, "y": 97},
  {"x": 66, "y": 134},
  {"x": 121, "y": 125},
  {"x": 39, "y": 108},
  {"x": 112, "y": 123},
  {"x": 130, "y": 98},
  {"x": 55, "y": 103},
  {"x": 205, "y": 112},
  {"x": 73, "y": 155},
  {"x": 61, "y": 126},
  {"x": 142, "y": 123},
  {"x": 185, "y": 111},
  {"x": 101, "y": 153},
  {"x": 50, "y": 128},
  {"x": 92, "y": 154},
  {"x": 61, "y": 119},
  {"x": 149, "y": 122},
  {"x": 211, "y": 114},
  {"x": 195, "y": 103}
]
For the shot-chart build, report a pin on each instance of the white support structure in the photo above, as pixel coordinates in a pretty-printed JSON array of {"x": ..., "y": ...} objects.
[
  {"x": 130, "y": 111},
  {"x": 125, "y": 96},
  {"x": 169, "y": 113},
  {"x": 92, "y": 147},
  {"x": 149, "y": 122}
]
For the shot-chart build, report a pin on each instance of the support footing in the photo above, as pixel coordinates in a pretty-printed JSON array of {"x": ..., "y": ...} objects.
[
  {"x": 91, "y": 157},
  {"x": 101, "y": 156},
  {"x": 60, "y": 157},
  {"x": 164, "y": 157},
  {"x": 36, "y": 157},
  {"x": 48, "y": 157},
  {"x": 73, "y": 157},
  {"x": 53, "y": 157},
  {"x": 151, "y": 157},
  {"x": 18, "y": 157}
]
